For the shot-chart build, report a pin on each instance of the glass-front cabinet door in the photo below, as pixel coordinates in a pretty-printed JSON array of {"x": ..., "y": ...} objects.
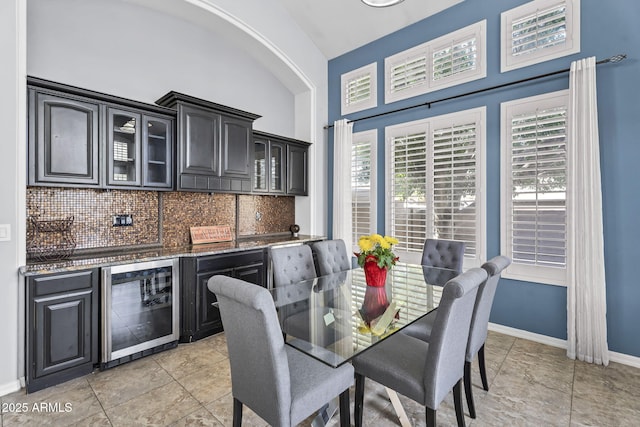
[
  {"x": 277, "y": 153},
  {"x": 123, "y": 148},
  {"x": 156, "y": 152},
  {"x": 260, "y": 166}
]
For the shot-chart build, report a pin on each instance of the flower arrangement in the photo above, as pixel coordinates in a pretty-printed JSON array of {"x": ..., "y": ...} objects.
[{"x": 375, "y": 248}]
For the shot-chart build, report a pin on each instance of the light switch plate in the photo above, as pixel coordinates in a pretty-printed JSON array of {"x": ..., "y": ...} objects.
[{"x": 5, "y": 232}]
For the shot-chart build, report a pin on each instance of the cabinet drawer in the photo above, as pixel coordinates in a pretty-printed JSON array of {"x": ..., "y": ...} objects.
[
  {"x": 64, "y": 282},
  {"x": 232, "y": 260}
]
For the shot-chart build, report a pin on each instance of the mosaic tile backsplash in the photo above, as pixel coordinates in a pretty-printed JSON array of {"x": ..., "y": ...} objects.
[
  {"x": 265, "y": 214},
  {"x": 159, "y": 218}
]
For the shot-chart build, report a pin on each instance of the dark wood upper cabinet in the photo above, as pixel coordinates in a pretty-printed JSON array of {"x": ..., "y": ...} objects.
[
  {"x": 280, "y": 161},
  {"x": 215, "y": 145},
  {"x": 81, "y": 138},
  {"x": 63, "y": 140}
]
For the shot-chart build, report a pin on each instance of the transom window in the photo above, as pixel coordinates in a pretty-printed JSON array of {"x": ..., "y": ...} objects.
[
  {"x": 539, "y": 31},
  {"x": 358, "y": 89},
  {"x": 452, "y": 59}
]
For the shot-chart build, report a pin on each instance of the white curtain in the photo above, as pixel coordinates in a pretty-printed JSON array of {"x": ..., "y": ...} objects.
[
  {"x": 342, "y": 140},
  {"x": 586, "y": 287}
]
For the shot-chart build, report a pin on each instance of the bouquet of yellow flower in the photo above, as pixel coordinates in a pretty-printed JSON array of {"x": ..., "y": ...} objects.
[{"x": 375, "y": 248}]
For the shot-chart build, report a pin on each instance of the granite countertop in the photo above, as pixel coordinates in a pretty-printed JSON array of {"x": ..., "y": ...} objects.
[{"x": 126, "y": 257}]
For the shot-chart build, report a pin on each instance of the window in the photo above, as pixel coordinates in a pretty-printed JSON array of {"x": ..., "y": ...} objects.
[
  {"x": 359, "y": 89},
  {"x": 449, "y": 60},
  {"x": 534, "y": 187},
  {"x": 363, "y": 185},
  {"x": 435, "y": 183},
  {"x": 539, "y": 31}
]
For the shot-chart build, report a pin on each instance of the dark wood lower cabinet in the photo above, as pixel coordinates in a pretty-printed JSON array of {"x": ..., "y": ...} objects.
[
  {"x": 61, "y": 328},
  {"x": 199, "y": 314}
]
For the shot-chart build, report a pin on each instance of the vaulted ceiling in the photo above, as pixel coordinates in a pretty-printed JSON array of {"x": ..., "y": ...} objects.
[{"x": 339, "y": 26}]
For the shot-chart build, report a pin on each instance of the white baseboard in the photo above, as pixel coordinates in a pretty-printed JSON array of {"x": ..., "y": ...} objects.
[
  {"x": 622, "y": 358},
  {"x": 531, "y": 336},
  {"x": 9, "y": 387}
]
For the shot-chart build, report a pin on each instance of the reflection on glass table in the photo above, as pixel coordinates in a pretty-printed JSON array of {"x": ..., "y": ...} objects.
[{"x": 333, "y": 318}]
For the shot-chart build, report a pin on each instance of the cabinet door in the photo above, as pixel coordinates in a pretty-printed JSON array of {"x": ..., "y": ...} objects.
[
  {"x": 277, "y": 164},
  {"x": 63, "y": 140},
  {"x": 260, "y": 166},
  {"x": 156, "y": 155},
  {"x": 251, "y": 273},
  {"x": 237, "y": 147},
  {"x": 62, "y": 327},
  {"x": 297, "y": 170},
  {"x": 123, "y": 148},
  {"x": 199, "y": 141},
  {"x": 208, "y": 320}
]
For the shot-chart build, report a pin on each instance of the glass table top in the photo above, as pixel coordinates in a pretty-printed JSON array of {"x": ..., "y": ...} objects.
[{"x": 333, "y": 318}]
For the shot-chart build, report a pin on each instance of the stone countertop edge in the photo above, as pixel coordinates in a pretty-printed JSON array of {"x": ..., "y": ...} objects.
[{"x": 129, "y": 257}]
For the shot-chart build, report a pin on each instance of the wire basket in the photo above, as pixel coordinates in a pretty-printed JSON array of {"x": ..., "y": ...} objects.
[{"x": 50, "y": 240}]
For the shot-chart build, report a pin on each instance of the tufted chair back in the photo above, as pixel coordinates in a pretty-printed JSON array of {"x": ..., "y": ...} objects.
[
  {"x": 443, "y": 253},
  {"x": 292, "y": 264},
  {"x": 332, "y": 256}
]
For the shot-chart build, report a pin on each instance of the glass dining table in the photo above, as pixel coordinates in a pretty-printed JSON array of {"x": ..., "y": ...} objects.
[{"x": 334, "y": 318}]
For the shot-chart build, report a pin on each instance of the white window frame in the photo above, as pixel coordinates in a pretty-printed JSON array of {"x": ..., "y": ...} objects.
[
  {"x": 369, "y": 136},
  {"x": 372, "y": 101},
  {"x": 519, "y": 271},
  {"x": 570, "y": 46},
  {"x": 429, "y": 125},
  {"x": 477, "y": 30}
]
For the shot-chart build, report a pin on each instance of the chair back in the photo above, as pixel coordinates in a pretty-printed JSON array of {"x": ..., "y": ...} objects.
[
  {"x": 443, "y": 253},
  {"x": 484, "y": 301},
  {"x": 331, "y": 256},
  {"x": 446, "y": 355},
  {"x": 260, "y": 375},
  {"x": 292, "y": 264}
]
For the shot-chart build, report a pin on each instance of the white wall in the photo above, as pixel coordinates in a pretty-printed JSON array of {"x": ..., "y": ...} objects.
[
  {"x": 247, "y": 54},
  {"x": 131, "y": 51},
  {"x": 12, "y": 191}
]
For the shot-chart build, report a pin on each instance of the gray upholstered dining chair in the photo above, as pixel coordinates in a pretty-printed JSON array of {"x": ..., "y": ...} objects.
[
  {"x": 422, "y": 328},
  {"x": 279, "y": 383},
  {"x": 426, "y": 372},
  {"x": 443, "y": 253},
  {"x": 331, "y": 256}
]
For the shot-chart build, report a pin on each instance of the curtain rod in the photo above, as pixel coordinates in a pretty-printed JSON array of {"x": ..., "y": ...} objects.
[{"x": 428, "y": 104}]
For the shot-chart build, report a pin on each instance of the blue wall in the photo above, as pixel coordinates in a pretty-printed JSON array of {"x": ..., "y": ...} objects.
[{"x": 608, "y": 28}]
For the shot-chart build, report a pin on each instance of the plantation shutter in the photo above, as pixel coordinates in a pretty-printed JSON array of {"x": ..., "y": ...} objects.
[
  {"x": 407, "y": 74},
  {"x": 358, "y": 89},
  {"x": 454, "y": 171},
  {"x": 543, "y": 29},
  {"x": 538, "y": 187},
  {"x": 456, "y": 58},
  {"x": 361, "y": 198},
  {"x": 408, "y": 180}
]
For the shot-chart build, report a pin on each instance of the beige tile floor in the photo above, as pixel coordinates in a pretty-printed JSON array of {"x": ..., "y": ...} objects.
[{"x": 530, "y": 385}]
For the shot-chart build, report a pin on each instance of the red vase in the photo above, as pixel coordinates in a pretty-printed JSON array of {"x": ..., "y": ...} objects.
[{"x": 374, "y": 275}]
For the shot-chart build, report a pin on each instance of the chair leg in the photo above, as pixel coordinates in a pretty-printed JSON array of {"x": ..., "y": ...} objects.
[
  {"x": 345, "y": 416},
  {"x": 431, "y": 417},
  {"x": 483, "y": 370},
  {"x": 359, "y": 398},
  {"x": 468, "y": 391},
  {"x": 457, "y": 402},
  {"x": 237, "y": 413}
]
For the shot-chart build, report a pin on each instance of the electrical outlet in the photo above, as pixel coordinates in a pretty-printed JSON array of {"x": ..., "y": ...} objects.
[{"x": 122, "y": 220}]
